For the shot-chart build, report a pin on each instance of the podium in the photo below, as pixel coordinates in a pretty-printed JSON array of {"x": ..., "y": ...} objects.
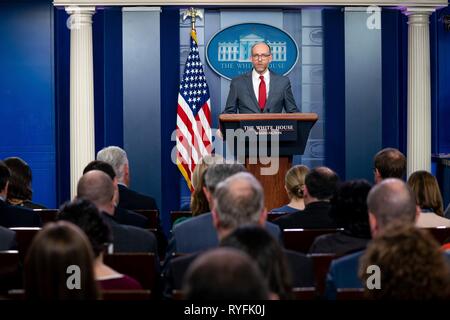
[{"x": 261, "y": 141}]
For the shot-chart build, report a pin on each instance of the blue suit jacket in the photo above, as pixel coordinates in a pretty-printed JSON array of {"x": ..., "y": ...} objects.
[
  {"x": 343, "y": 273},
  {"x": 198, "y": 234},
  {"x": 242, "y": 99}
]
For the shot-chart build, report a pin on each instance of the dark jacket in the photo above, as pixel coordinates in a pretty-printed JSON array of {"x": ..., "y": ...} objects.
[
  {"x": 314, "y": 216},
  {"x": 13, "y": 216}
]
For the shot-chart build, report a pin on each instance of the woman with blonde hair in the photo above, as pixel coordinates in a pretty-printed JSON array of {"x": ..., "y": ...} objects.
[
  {"x": 429, "y": 199},
  {"x": 294, "y": 185}
]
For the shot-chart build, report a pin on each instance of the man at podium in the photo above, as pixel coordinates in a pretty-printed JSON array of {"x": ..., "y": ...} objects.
[{"x": 261, "y": 90}]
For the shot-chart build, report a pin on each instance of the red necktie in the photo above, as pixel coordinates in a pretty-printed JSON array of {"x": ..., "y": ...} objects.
[{"x": 262, "y": 93}]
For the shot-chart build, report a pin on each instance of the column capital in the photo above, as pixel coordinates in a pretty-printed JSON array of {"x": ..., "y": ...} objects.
[
  {"x": 80, "y": 10},
  {"x": 409, "y": 11}
]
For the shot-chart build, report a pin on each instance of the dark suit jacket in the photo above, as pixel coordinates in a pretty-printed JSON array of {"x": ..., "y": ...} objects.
[
  {"x": 124, "y": 216},
  {"x": 338, "y": 243},
  {"x": 315, "y": 216},
  {"x": 129, "y": 238},
  {"x": 242, "y": 99},
  {"x": 199, "y": 234},
  {"x": 12, "y": 216},
  {"x": 132, "y": 200},
  {"x": 343, "y": 273},
  {"x": 7, "y": 239}
]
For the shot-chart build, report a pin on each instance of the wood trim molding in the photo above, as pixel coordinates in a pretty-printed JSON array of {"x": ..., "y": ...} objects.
[{"x": 259, "y": 3}]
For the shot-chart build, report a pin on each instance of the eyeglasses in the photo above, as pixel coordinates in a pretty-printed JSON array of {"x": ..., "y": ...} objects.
[{"x": 261, "y": 56}]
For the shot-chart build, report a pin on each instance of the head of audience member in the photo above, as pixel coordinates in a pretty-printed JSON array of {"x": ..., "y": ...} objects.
[
  {"x": 224, "y": 274},
  {"x": 267, "y": 253},
  {"x": 216, "y": 174},
  {"x": 428, "y": 195},
  {"x": 97, "y": 187},
  {"x": 238, "y": 200},
  {"x": 320, "y": 185},
  {"x": 109, "y": 170},
  {"x": 117, "y": 158},
  {"x": 390, "y": 202},
  {"x": 261, "y": 57},
  {"x": 411, "y": 265},
  {"x": 349, "y": 208},
  {"x": 199, "y": 202},
  {"x": 58, "y": 251},
  {"x": 294, "y": 183},
  {"x": 85, "y": 215},
  {"x": 19, "y": 188},
  {"x": 5, "y": 175},
  {"x": 389, "y": 163}
]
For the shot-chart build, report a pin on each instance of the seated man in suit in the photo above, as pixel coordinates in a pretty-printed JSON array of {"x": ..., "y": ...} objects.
[
  {"x": 128, "y": 198},
  {"x": 198, "y": 233},
  {"x": 260, "y": 90},
  {"x": 237, "y": 201},
  {"x": 13, "y": 216},
  {"x": 389, "y": 163},
  {"x": 123, "y": 216},
  {"x": 389, "y": 202},
  {"x": 97, "y": 187},
  {"x": 320, "y": 185}
]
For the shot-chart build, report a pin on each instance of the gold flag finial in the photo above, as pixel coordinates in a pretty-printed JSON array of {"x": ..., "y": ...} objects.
[{"x": 193, "y": 14}]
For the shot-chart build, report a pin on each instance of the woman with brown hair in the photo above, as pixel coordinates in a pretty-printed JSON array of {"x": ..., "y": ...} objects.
[
  {"x": 294, "y": 185},
  {"x": 59, "y": 265},
  {"x": 411, "y": 266},
  {"x": 20, "y": 192},
  {"x": 429, "y": 199}
]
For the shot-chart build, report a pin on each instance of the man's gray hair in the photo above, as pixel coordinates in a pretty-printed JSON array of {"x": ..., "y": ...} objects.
[
  {"x": 392, "y": 201},
  {"x": 116, "y": 157},
  {"x": 239, "y": 200},
  {"x": 219, "y": 172}
]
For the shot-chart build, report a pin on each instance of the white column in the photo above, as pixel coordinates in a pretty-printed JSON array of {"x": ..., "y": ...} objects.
[
  {"x": 82, "y": 138},
  {"x": 419, "y": 90}
]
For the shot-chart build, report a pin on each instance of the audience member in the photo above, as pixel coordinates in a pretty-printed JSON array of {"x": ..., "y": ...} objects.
[
  {"x": 58, "y": 252},
  {"x": 295, "y": 186},
  {"x": 225, "y": 274},
  {"x": 7, "y": 239},
  {"x": 348, "y": 210},
  {"x": 320, "y": 185},
  {"x": 238, "y": 201},
  {"x": 123, "y": 216},
  {"x": 429, "y": 199},
  {"x": 410, "y": 263},
  {"x": 97, "y": 187},
  {"x": 128, "y": 198},
  {"x": 14, "y": 216},
  {"x": 85, "y": 215},
  {"x": 199, "y": 202},
  {"x": 389, "y": 202},
  {"x": 267, "y": 253},
  {"x": 20, "y": 192},
  {"x": 389, "y": 163}
]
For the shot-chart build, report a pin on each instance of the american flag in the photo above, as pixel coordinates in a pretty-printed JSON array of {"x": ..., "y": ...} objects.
[{"x": 194, "y": 139}]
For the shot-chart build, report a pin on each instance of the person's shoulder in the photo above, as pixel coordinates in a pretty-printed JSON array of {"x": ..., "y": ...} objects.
[
  {"x": 349, "y": 259},
  {"x": 242, "y": 77},
  {"x": 194, "y": 221}
]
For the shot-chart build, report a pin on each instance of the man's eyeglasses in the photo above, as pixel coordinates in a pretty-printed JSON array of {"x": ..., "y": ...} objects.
[{"x": 261, "y": 56}]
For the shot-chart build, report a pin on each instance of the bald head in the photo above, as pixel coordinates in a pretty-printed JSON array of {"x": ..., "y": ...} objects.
[
  {"x": 392, "y": 201},
  {"x": 239, "y": 200},
  {"x": 224, "y": 274},
  {"x": 97, "y": 187}
]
